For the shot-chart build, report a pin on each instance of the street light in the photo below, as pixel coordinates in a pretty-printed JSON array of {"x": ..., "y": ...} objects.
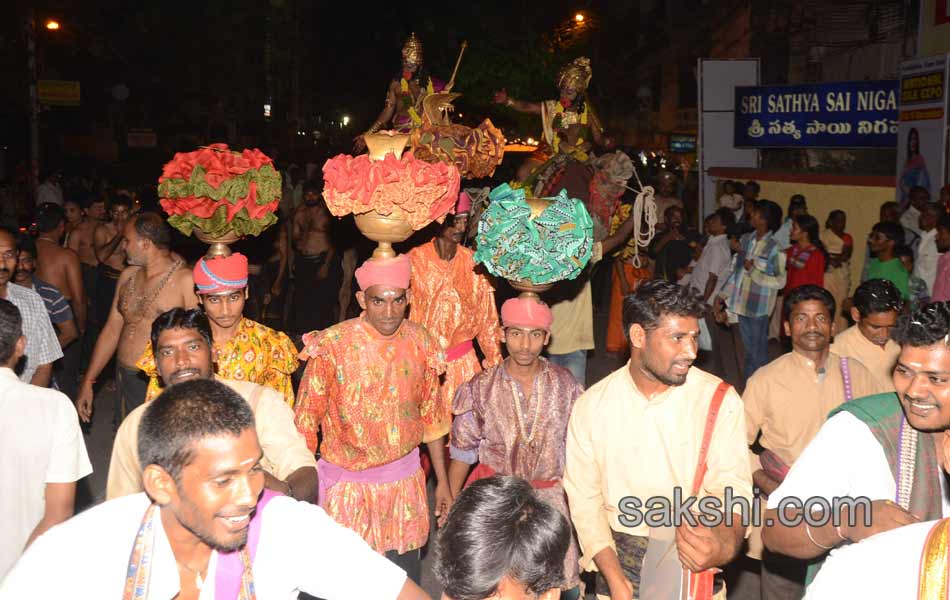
[
  {"x": 52, "y": 25},
  {"x": 579, "y": 17},
  {"x": 346, "y": 120}
]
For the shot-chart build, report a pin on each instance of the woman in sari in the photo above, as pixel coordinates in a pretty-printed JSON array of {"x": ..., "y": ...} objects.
[{"x": 839, "y": 245}]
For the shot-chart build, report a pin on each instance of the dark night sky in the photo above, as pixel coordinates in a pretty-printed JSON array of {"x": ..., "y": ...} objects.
[{"x": 179, "y": 58}]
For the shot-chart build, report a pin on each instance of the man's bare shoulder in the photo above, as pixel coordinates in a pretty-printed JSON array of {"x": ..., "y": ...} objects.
[
  {"x": 104, "y": 229},
  {"x": 86, "y": 228}
]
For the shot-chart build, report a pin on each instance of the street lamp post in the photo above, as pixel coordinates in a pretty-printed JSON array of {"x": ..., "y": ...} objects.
[{"x": 34, "y": 174}]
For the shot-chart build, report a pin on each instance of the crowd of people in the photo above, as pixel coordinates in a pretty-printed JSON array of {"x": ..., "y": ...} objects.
[{"x": 282, "y": 377}]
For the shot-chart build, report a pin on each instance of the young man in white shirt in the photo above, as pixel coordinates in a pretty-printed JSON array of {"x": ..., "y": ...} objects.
[
  {"x": 42, "y": 453},
  {"x": 906, "y": 561},
  {"x": 879, "y": 447},
  {"x": 203, "y": 529},
  {"x": 927, "y": 253}
]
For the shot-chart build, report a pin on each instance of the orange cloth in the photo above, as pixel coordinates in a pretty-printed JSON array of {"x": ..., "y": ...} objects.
[
  {"x": 256, "y": 353},
  {"x": 374, "y": 398},
  {"x": 633, "y": 277},
  {"x": 455, "y": 304}
]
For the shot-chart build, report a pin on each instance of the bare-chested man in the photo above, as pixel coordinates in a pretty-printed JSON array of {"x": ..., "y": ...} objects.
[
  {"x": 56, "y": 265},
  {"x": 317, "y": 274},
  {"x": 81, "y": 240},
  {"x": 80, "y": 236},
  {"x": 110, "y": 255},
  {"x": 73, "y": 210},
  {"x": 155, "y": 281}
]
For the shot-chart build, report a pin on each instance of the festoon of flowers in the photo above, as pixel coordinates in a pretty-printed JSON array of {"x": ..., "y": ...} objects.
[
  {"x": 425, "y": 191},
  {"x": 217, "y": 190}
]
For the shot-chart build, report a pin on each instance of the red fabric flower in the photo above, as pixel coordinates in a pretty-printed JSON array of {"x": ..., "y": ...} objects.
[{"x": 426, "y": 191}]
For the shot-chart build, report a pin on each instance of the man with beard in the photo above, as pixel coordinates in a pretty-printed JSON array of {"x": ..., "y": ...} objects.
[
  {"x": 649, "y": 430},
  {"x": 371, "y": 388},
  {"x": 317, "y": 275},
  {"x": 185, "y": 351},
  {"x": 42, "y": 346},
  {"x": 512, "y": 418},
  {"x": 155, "y": 281},
  {"x": 454, "y": 303},
  {"x": 876, "y": 306},
  {"x": 203, "y": 522},
  {"x": 245, "y": 349},
  {"x": 787, "y": 400},
  {"x": 880, "y": 448},
  {"x": 60, "y": 315}
]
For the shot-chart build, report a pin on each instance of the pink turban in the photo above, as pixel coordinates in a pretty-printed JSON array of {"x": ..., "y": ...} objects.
[
  {"x": 390, "y": 272},
  {"x": 526, "y": 312},
  {"x": 221, "y": 274},
  {"x": 464, "y": 205}
]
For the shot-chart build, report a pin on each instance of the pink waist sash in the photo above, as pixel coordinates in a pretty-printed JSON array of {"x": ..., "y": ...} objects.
[
  {"x": 330, "y": 474},
  {"x": 459, "y": 350}
]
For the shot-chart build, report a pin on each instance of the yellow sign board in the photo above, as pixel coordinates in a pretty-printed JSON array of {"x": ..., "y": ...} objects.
[{"x": 54, "y": 92}]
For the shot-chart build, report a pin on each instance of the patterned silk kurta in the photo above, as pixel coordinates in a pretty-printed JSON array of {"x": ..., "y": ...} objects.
[
  {"x": 374, "y": 398},
  {"x": 486, "y": 429},
  {"x": 455, "y": 304},
  {"x": 256, "y": 353}
]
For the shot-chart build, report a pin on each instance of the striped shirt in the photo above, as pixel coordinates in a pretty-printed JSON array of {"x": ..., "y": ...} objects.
[
  {"x": 42, "y": 345},
  {"x": 56, "y": 304}
]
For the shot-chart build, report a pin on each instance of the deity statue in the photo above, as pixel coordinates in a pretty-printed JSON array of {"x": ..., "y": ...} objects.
[
  {"x": 424, "y": 113},
  {"x": 403, "y": 110},
  {"x": 571, "y": 129}
]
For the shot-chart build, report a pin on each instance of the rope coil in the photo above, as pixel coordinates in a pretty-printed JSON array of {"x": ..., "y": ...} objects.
[{"x": 644, "y": 213}]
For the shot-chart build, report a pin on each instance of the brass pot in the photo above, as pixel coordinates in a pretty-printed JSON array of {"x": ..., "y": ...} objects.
[
  {"x": 384, "y": 229},
  {"x": 218, "y": 244},
  {"x": 528, "y": 289},
  {"x": 381, "y": 144}
]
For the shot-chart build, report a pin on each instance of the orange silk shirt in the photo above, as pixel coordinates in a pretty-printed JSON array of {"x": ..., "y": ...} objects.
[
  {"x": 456, "y": 305},
  {"x": 373, "y": 396}
]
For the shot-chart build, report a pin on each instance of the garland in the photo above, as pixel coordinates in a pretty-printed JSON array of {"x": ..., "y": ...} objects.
[
  {"x": 558, "y": 125},
  {"x": 409, "y": 104}
]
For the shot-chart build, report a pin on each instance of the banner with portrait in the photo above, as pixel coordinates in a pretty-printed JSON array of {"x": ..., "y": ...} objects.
[{"x": 922, "y": 131}]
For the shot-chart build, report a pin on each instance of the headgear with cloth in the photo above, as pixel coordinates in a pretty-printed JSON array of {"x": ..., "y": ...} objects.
[
  {"x": 526, "y": 312},
  {"x": 221, "y": 274},
  {"x": 464, "y": 204},
  {"x": 389, "y": 272}
]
